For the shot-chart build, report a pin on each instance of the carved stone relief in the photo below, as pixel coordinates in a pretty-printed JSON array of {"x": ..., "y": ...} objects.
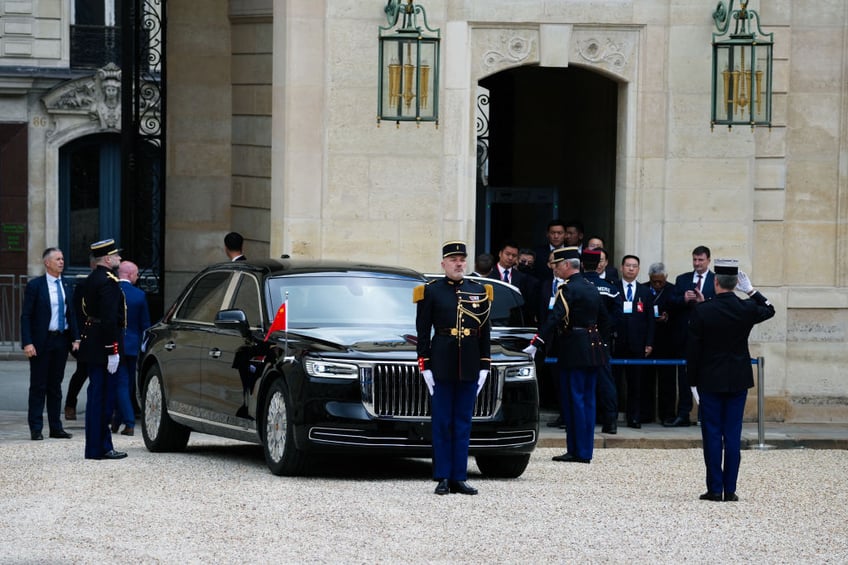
[
  {"x": 607, "y": 49},
  {"x": 499, "y": 49}
]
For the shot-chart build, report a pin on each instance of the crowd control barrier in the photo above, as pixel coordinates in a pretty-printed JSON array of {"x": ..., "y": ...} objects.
[{"x": 759, "y": 362}]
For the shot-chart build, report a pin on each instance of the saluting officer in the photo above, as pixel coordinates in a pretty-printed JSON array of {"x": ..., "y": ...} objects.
[
  {"x": 101, "y": 347},
  {"x": 576, "y": 324},
  {"x": 454, "y": 362}
]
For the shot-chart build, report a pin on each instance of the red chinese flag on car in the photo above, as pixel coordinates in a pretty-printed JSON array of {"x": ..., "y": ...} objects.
[{"x": 279, "y": 322}]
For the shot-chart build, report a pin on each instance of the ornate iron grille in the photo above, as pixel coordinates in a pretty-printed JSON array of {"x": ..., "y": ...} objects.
[
  {"x": 143, "y": 91},
  {"x": 397, "y": 390}
]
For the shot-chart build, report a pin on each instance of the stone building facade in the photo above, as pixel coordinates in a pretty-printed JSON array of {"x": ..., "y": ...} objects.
[{"x": 272, "y": 132}]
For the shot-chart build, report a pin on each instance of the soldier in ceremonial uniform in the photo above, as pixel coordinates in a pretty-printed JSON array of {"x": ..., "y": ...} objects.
[
  {"x": 720, "y": 372},
  {"x": 454, "y": 359},
  {"x": 101, "y": 347},
  {"x": 574, "y": 331}
]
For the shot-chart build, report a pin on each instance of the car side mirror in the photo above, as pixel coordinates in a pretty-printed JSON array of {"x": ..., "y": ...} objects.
[{"x": 233, "y": 320}]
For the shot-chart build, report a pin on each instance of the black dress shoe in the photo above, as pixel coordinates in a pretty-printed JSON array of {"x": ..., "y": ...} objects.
[
  {"x": 677, "y": 423},
  {"x": 610, "y": 428},
  {"x": 114, "y": 455},
  {"x": 634, "y": 424},
  {"x": 714, "y": 496},
  {"x": 569, "y": 458},
  {"x": 35, "y": 436},
  {"x": 70, "y": 413},
  {"x": 462, "y": 487},
  {"x": 61, "y": 434},
  {"x": 731, "y": 497},
  {"x": 115, "y": 426},
  {"x": 558, "y": 423},
  {"x": 442, "y": 487}
]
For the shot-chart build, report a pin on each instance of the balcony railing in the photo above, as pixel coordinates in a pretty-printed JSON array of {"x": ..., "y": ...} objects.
[{"x": 93, "y": 47}]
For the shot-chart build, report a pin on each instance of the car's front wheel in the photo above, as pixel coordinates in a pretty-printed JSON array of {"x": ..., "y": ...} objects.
[
  {"x": 281, "y": 455},
  {"x": 160, "y": 432},
  {"x": 503, "y": 466}
]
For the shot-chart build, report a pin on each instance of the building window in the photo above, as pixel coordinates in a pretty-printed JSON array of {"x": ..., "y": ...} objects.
[{"x": 95, "y": 33}]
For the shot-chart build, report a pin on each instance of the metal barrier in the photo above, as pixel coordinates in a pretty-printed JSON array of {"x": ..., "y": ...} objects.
[
  {"x": 11, "y": 300},
  {"x": 759, "y": 362}
]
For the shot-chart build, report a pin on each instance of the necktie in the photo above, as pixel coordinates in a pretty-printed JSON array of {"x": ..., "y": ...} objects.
[
  {"x": 630, "y": 292},
  {"x": 554, "y": 287},
  {"x": 61, "y": 300},
  {"x": 698, "y": 283},
  {"x": 506, "y": 275}
]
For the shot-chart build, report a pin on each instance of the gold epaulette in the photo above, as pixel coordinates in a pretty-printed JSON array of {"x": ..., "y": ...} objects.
[
  {"x": 490, "y": 292},
  {"x": 418, "y": 293}
]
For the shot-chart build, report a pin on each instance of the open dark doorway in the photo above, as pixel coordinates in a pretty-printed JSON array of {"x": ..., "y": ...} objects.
[{"x": 546, "y": 149}]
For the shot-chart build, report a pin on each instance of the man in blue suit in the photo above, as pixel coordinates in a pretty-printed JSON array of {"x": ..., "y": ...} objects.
[
  {"x": 720, "y": 370},
  {"x": 48, "y": 332},
  {"x": 138, "y": 320},
  {"x": 691, "y": 288}
]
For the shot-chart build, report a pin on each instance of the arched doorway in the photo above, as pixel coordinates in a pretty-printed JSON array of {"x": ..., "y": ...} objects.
[
  {"x": 89, "y": 196},
  {"x": 550, "y": 151}
]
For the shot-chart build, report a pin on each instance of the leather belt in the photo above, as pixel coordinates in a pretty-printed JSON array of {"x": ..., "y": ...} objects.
[
  {"x": 466, "y": 332},
  {"x": 91, "y": 320},
  {"x": 55, "y": 333}
]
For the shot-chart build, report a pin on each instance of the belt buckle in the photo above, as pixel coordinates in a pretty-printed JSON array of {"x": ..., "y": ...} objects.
[
  {"x": 454, "y": 332},
  {"x": 466, "y": 332}
]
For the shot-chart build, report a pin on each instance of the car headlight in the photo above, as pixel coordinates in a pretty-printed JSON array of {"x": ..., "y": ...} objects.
[
  {"x": 519, "y": 372},
  {"x": 330, "y": 369}
]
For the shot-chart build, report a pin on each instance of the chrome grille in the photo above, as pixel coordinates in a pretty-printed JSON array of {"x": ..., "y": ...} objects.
[{"x": 397, "y": 390}]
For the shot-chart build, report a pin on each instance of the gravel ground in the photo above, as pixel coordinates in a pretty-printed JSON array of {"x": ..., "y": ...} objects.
[{"x": 218, "y": 504}]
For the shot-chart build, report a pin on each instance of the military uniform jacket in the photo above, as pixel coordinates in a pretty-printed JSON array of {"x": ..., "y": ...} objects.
[
  {"x": 105, "y": 317},
  {"x": 717, "y": 355},
  {"x": 453, "y": 328},
  {"x": 610, "y": 297},
  {"x": 573, "y": 326}
]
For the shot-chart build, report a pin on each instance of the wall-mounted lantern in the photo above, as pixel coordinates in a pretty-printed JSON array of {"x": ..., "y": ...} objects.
[
  {"x": 409, "y": 66},
  {"x": 742, "y": 68}
]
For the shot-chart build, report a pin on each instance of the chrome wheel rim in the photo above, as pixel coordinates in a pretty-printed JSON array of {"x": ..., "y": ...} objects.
[
  {"x": 275, "y": 426},
  {"x": 153, "y": 407}
]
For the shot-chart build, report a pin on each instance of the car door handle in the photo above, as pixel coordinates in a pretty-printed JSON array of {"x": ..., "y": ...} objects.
[
  {"x": 215, "y": 353},
  {"x": 170, "y": 346}
]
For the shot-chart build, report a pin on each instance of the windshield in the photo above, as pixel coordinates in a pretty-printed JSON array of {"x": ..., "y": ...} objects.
[{"x": 343, "y": 300}]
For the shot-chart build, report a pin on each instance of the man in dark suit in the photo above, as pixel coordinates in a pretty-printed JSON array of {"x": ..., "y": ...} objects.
[
  {"x": 454, "y": 362},
  {"x": 555, "y": 236},
  {"x": 101, "y": 347},
  {"x": 48, "y": 331},
  {"x": 690, "y": 289},
  {"x": 138, "y": 320},
  {"x": 506, "y": 269},
  {"x": 634, "y": 335},
  {"x": 81, "y": 373},
  {"x": 664, "y": 340},
  {"x": 606, "y": 271},
  {"x": 233, "y": 242},
  {"x": 574, "y": 329},
  {"x": 720, "y": 370}
]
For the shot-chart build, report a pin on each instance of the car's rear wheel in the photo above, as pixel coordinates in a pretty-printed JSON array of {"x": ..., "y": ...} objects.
[
  {"x": 160, "y": 432},
  {"x": 281, "y": 455},
  {"x": 503, "y": 466}
]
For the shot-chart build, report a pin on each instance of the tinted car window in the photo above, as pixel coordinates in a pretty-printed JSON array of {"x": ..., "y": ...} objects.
[
  {"x": 205, "y": 298},
  {"x": 506, "y": 307},
  {"x": 348, "y": 300},
  {"x": 247, "y": 300}
]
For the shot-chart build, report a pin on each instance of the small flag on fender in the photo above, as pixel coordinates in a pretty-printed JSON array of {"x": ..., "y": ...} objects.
[{"x": 279, "y": 322}]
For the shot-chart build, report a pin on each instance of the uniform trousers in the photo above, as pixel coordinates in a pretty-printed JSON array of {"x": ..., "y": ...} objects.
[
  {"x": 100, "y": 403},
  {"x": 577, "y": 388},
  {"x": 46, "y": 371},
  {"x": 452, "y": 409},
  {"x": 721, "y": 432}
]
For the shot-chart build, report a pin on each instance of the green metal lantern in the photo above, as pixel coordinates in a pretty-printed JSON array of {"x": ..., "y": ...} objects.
[
  {"x": 408, "y": 89},
  {"x": 742, "y": 69}
]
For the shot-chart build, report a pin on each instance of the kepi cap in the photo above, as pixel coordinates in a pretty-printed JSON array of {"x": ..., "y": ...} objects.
[
  {"x": 564, "y": 253},
  {"x": 454, "y": 248},
  {"x": 102, "y": 248},
  {"x": 591, "y": 257},
  {"x": 726, "y": 267}
]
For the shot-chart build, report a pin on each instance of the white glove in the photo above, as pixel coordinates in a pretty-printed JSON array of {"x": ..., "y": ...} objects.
[
  {"x": 694, "y": 390},
  {"x": 112, "y": 364},
  {"x": 743, "y": 283},
  {"x": 482, "y": 380},
  {"x": 530, "y": 350},
  {"x": 428, "y": 379}
]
